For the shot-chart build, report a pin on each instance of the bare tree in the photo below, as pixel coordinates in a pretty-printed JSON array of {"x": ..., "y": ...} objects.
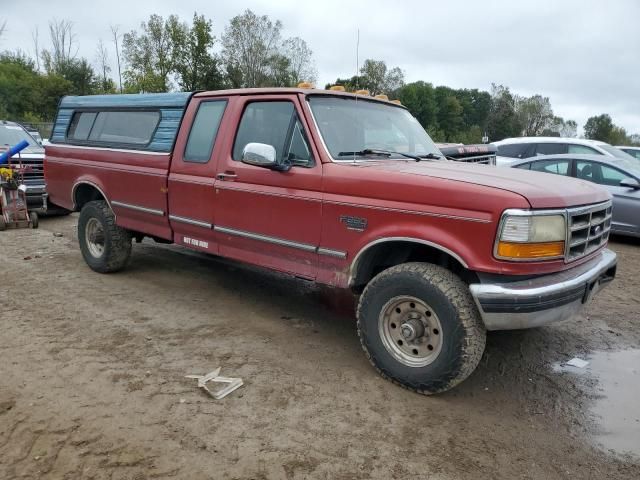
[
  {"x": 35, "y": 35},
  {"x": 116, "y": 36},
  {"x": 103, "y": 63},
  {"x": 63, "y": 46},
  {"x": 3, "y": 26}
]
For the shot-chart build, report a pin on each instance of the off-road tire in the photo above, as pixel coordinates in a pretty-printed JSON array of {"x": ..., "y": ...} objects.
[
  {"x": 117, "y": 240},
  {"x": 463, "y": 333}
]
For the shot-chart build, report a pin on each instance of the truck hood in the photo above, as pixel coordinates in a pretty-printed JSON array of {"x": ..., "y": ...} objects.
[{"x": 542, "y": 190}]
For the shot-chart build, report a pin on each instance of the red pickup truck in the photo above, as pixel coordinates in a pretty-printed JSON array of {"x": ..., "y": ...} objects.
[{"x": 344, "y": 190}]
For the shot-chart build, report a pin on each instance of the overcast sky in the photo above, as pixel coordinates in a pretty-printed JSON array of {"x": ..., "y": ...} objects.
[{"x": 583, "y": 54}]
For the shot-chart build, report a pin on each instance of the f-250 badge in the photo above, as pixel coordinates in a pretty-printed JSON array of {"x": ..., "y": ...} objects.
[{"x": 354, "y": 223}]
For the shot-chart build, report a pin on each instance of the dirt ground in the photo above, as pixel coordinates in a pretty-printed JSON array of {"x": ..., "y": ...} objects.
[{"x": 92, "y": 378}]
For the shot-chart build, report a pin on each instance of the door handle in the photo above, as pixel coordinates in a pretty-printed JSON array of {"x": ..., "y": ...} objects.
[{"x": 226, "y": 176}]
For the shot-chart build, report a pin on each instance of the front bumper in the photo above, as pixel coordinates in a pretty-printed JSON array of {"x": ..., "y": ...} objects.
[
  {"x": 545, "y": 299},
  {"x": 36, "y": 197}
]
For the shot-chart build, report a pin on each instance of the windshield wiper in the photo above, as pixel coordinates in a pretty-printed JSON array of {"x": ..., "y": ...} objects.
[{"x": 388, "y": 153}]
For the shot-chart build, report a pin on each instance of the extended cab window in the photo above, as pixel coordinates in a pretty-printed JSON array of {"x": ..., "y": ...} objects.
[
  {"x": 203, "y": 131},
  {"x": 114, "y": 127},
  {"x": 276, "y": 124}
]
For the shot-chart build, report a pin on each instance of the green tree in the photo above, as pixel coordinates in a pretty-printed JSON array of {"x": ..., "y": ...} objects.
[
  {"x": 534, "y": 114},
  {"x": 196, "y": 67},
  {"x": 150, "y": 54},
  {"x": 599, "y": 127},
  {"x": 419, "y": 98},
  {"x": 250, "y": 44},
  {"x": 378, "y": 78},
  {"x": 503, "y": 121}
]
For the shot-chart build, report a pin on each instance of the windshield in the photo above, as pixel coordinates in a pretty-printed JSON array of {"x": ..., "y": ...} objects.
[
  {"x": 13, "y": 134},
  {"x": 630, "y": 165},
  {"x": 350, "y": 125},
  {"x": 616, "y": 152}
]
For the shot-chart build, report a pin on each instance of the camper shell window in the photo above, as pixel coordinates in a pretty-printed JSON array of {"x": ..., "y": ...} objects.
[{"x": 113, "y": 127}]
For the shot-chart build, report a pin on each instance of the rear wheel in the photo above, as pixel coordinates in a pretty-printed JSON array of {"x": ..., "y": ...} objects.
[
  {"x": 34, "y": 219},
  {"x": 105, "y": 246},
  {"x": 420, "y": 327}
]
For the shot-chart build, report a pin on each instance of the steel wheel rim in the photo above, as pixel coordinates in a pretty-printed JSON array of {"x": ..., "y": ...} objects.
[
  {"x": 410, "y": 330},
  {"x": 94, "y": 235}
]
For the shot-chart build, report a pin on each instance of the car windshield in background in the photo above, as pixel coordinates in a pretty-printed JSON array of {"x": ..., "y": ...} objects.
[
  {"x": 350, "y": 125},
  {"x": 616, "y": 152},
  {"x": 13, "y": 134}
]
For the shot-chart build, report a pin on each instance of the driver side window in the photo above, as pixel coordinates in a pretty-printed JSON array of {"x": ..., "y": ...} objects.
[{"x": 274, "y": 123}]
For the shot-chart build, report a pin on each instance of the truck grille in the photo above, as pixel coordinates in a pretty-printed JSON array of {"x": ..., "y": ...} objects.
[
  {"x": 34, "y": 172},
  {"x": 588, "y": 229}
]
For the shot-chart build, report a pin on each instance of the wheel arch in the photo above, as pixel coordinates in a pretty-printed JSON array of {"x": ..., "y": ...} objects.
[
  {"x": 387, "y": 252},
  {"x": 85, "y": 191}
]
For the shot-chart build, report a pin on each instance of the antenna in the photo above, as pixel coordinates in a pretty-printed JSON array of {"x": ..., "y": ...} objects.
[
  {"x": 357, "y": 77},
  {"x": 358, "y": 61}
]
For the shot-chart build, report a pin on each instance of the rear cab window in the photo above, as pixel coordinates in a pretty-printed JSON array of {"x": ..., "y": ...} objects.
[{"x": 204, "y": 130}]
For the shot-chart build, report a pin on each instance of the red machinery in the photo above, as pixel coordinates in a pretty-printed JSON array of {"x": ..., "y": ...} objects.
[{"x": 13, "y": 199}]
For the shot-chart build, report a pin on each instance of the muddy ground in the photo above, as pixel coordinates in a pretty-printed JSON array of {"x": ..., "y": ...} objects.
[{"x": 92, "y": 378}]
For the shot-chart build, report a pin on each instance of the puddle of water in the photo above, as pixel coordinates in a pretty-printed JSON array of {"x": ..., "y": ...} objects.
[{"x": 618, "y": 375}]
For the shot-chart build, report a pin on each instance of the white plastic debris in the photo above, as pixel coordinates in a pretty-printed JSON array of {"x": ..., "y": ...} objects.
[
  {"x": 577, "y": 362},
  {"x": 232, "y": 383}
]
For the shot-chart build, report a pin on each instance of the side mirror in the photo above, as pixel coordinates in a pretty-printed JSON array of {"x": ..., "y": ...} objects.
[
  {"x": 630, "y": 183},
  {"x": 262, "y": 155}
]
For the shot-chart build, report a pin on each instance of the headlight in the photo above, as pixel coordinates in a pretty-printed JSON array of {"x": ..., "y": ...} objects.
[{"x": 526, "y": 235}]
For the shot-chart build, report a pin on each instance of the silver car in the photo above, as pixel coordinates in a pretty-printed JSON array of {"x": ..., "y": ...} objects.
[{"x": 618, "y": 175}]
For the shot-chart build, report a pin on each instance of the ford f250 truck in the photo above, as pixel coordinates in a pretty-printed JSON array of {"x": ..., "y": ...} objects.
[{"x": 344, "y": 190}]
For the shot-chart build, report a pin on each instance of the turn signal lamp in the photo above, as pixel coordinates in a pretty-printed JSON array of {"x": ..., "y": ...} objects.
[
  {"x": 381, "y": 96},
  {"x": 305, "y": 85},
  {"x": 337, "y": 88},
  {"x": 362, "y": 92},
  {"x": 525, "y": 235}
]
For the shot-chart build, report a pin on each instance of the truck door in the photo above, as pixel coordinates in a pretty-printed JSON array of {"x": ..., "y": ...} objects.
[
  {"x": 267, "y": 217},
  {"x": 192, "y": 197}
]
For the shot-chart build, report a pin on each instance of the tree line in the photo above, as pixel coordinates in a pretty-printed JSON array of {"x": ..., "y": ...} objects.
[{"x": 168, "y": 54}]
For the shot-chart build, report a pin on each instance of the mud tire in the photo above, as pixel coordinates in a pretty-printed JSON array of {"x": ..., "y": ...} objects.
[
  {"x": 116, "y": 249},
  {"x": 463, "y": 333}
]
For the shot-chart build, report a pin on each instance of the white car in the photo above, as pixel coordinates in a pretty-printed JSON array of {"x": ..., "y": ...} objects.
[
  {"x": 633, "y": 151},
  {"x": 512, "y": 149}
]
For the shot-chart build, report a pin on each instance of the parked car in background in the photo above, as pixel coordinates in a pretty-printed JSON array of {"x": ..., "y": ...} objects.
[
  {"x": 618, "y": 175},
  {"x": 12, "y": 133},
  {"x": 481, "y": 153},
  {"x": 511, "y": 149},
  {"x": 633, "y": 151}
]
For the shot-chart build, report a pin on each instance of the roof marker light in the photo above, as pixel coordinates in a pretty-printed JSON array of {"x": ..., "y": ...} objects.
[
  {"x": 362, "y": 92},
  {"x": 337, "y": 88},
  {"x": 381, "y": 96},
  {"x": 305, "y": 85},
  {"x": 397, "y": 102}
]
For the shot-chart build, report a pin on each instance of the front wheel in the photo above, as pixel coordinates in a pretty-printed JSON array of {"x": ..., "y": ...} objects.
[
  {"x": 105, "y": 246},
  {"x": 33, "y": 218},
  {"x": 420, "y": 328}
]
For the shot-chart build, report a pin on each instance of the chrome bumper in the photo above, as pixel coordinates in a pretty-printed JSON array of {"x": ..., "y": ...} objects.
[{"x": 543, "y": 300}]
